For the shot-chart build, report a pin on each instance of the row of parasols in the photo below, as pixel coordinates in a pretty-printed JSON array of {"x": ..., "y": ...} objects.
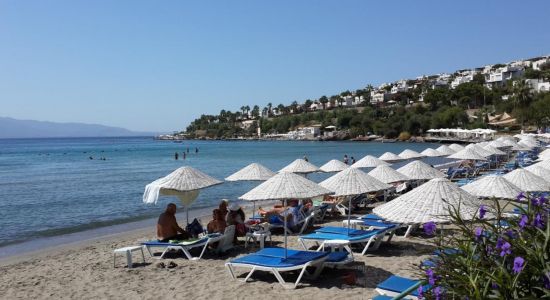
[{"x": 428, "y": 202}]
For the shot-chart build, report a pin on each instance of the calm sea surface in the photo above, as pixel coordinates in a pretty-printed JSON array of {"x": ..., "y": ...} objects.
[{"x": 50, "y": 187}]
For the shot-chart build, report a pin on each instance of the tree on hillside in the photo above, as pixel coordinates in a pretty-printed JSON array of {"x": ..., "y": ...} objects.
[
  {"x": 323, "y": 100},
  {"x": 438, "y": 97},
  {"x": 256, "y": 112}
]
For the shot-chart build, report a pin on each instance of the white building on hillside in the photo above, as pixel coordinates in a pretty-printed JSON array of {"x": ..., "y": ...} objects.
[
  {"x": 460, "y": 80},
  {"x": 538, "y": 85},
  {"x": 379, "y": 96},
  {"x": 399, "y": 87},
  {"x": 538, "y": 63},
  {"x": 499, "y": 76}
]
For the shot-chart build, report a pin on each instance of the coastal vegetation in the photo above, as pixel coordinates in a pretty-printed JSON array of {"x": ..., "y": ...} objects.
[
  {"x": 493, "y": 257},
  {"x": 414, "y": 111}
]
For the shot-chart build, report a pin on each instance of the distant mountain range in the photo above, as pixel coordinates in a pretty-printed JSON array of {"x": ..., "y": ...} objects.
[{"x": 13, "y": 128}]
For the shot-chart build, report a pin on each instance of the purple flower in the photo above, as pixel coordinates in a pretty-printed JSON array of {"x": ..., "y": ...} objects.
[
  {"x": 429, "y": 228},
  {"x": 538, "y": 201},
  {"x": 505, "y": 249},
  {"x": 494, "y": 285},
  {"x": 420, "y": 292},
  {"x": 546, "y": 280},
  {"x": 510, "y": 233},
  {"x": 523, "y": 221},
  {"x": 431, "y": 277},
  {"x": 478, "y": 232},
  {"x": 499, "y": 244},
  {"x": 437, "y": 293},
  {"x": 538, "y": 221},
  {"x": 521, "y": 196},
  {"x": 482, "y": 211},
  {"x": 518, "y": 264}
]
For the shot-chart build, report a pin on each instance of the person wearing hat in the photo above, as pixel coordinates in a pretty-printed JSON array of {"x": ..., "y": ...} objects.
[{"x": 236, "y": 217}]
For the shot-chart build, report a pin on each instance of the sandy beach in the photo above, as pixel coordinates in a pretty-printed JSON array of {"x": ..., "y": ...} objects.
[{"x": 85, "y": 271}]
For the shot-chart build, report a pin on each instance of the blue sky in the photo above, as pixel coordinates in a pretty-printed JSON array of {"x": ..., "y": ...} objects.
[{"x": 156, "y": 65}]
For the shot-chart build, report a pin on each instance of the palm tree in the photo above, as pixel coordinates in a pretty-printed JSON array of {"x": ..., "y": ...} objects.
[
  {"x": 294, "y": 107},
  {"x": 522, "y": 97},
  {"x": 324, "y": 101},
  {"x": 281, "y": 108}
]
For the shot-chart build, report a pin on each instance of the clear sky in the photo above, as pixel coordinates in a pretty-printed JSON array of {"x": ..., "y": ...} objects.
[{"x": 156, "y": 65}]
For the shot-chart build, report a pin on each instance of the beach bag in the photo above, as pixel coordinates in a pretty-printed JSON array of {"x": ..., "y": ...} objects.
[{"x": 195, "y": 228}]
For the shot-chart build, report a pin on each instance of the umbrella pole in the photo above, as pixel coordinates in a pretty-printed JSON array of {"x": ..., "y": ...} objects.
[
  {"x": 349, "y": 214},
  {"x": 286, "y": 213},
  {"x": 187, "y": 214}
]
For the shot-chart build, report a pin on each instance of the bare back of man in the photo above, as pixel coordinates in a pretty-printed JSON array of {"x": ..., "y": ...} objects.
[{"x": 167, "y": 226}]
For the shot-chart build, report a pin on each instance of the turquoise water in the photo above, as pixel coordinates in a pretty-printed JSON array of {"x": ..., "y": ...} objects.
[{"x": 50, "y": 187}]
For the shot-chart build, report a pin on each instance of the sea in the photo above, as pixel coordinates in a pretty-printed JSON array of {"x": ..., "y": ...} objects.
[{"x": 58, "y": 186}]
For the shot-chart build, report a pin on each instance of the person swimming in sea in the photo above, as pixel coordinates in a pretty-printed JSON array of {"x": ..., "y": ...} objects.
[
  {"x": 352, "y": 160},
  {"x": 346, "y": 160},
  {"x": 184, "y": 155},
  {"x": 176, "y": 156},
  {"x": 305, "y": 158},
  {"x": 196, "y": 150}
]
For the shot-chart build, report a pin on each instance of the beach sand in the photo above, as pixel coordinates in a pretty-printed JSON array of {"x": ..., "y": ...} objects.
[{"x": 85, "y": 271}]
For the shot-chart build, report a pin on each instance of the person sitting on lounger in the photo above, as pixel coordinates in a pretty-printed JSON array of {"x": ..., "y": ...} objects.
[
  {"x": 167, "y": 226},
  {"x": 218, "y": 224},
  {"x": 236, "y": 217},
  {"x": 292, "y": 212}
]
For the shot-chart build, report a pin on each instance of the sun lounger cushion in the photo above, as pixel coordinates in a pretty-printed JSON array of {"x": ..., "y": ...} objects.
[
  {"x": 335, "y": 257},
  {"x": 372, "y": 217},
  {"x": 343, "y": 230},
  {"x": 182, "y": 243},
  {"x": 378, "y": 224},
  {"x": 332, "y": 236},
  {"x": 399, "y": 284},
  {"x": 274, "y": 258}
]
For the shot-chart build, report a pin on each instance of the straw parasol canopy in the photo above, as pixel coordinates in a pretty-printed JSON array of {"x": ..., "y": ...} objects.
[
  {"x": 521, "y": 147},
  {"x": 509, "y": 142},
  {"x": 529, "y": 143},
  {"x": 285, "y": 185},
  {"x": 544, "y": 164},
  {"x": 183, "y": 183},
  {"x": 369, "y": 161},
  {"x": 492, "y": 186},
  {"x": 300, "y": 166},
  {"x": 387, "y": 174},
  {"x": 429, "y": 152},
  {"x": 456, "y": 147},
  {"x": 353, "y": 181},
  {"x": 527, "y": 181},
  {"x": 544, "y": 155},
  {"x": 252, "y": 172},
  {"x": 539, "y": 171},
  {"x": 445, "y": 150},
  {"x": 410, "y": 154},
  {"x": 429, "y": 202},
  {"x": 493, "y": 150},
  {"x": 479, "y": 150},
  {"x": 418, "y": 170},
  {"x": 390, "y": 157},
  {"x": 497, "y": 144},
  {"x": 468, "y": 154},
  {"x": 333, "y": 165}
]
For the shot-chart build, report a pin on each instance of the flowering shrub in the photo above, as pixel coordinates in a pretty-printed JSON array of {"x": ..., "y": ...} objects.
[{"x": 495, "y": 255}]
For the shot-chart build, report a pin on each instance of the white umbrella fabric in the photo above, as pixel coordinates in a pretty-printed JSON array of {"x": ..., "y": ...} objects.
[
  {"x": 418, "y": 170},
  {"x": 543, "y": 164},
  {"x": 492, "y": 186},
  {"x": 369, "y": 161},
  {"x": 468, "y": 154},
  {"x": 387, "y": 174},
  {"x": 539, "y": 171},
  {"x": 333, "y": 165},
  {"x": 497, "y": 144},
  {"x": 456, "y": 147},
  {"x": 351, "y": 182},
  {"x": 410, "y": 154},
  {"x": 494, "y": 150},
  {"x": 252, "y": 172},
  {"x": 445, "y": 150},
  {"x": 429, "y": 202},
  {"x": 300, "y": 166},
  {"x": 479, "y": 150},
  {"x": 527, "y": 181},
  {"x": 284, "y": 186},
  {"x": 429, "y": 152},
  {"x": 390, "y": 157},
  {"x": 184, "y": 183}
]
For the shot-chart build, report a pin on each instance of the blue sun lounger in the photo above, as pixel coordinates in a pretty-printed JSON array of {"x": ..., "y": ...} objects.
[
  {"x": 273, "y": 260},
  {"x": 183, "y": 246},
  {"x": 355, "y": 236},
  {"x": 397, "y": 285}
]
